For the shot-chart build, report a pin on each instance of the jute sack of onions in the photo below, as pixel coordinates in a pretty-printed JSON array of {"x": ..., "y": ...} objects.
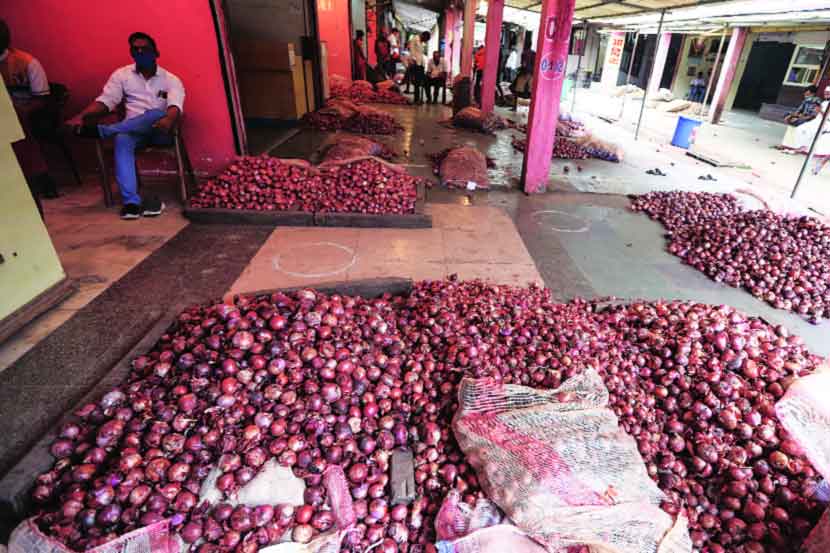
[
  {"x": 462, "y": 167},
  {"x": 347, "y": 146},
  {"x": 562, "y": 469}
]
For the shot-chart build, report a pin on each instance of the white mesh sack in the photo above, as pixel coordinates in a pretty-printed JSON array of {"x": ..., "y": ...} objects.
[{"x": 562, "y": 470}]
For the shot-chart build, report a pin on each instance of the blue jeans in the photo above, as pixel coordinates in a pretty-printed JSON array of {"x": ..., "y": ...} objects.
[
  {"x": 697, "y": 93},
  {"x": 130, "y": 134}
]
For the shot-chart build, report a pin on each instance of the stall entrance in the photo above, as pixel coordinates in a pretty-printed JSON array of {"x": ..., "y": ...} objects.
[
  {"x": 764, "y": 73},
  {"x": 276, "y": 68}
]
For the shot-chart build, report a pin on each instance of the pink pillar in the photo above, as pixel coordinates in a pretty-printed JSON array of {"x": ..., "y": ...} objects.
[
  {"x": 467, "y": 38},
  {"x": 456, "y": 42},
  {"x": 449, "y": 36},
  {"x": 548, "y": 75},
  {"x": 663, "y": 42},
  {"x": 727, "y": 74},
  {"x": 492, "y": 41}
]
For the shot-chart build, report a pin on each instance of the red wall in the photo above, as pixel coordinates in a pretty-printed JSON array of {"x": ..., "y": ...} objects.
[
  {"x": 81, "y": 43},
  {"x": 333, "y": 25}
]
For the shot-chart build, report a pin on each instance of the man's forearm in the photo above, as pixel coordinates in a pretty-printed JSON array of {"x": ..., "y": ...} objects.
[{"x": 94, "y": 110}]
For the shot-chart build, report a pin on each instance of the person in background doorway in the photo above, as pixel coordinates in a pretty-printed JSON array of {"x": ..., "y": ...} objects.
[
  {"x": 417, "y": 46},
  {"x": 697, "y": 88},
  {"x": 436, "y": 76},
  {"x": 383, "y": 52},
  {"x": 803, "y": 122},
  {"x": 521, "y": 87},
  {"x": 153, "y": 100},
  {"x": 511, "y": 65},
  {"x": 359, "y": 62},
  {"x": 528, "y": 60},
  {"x": 28, "y": 88},
  {"x": 394, "y": 48},
  {"x": 479, "y": 57}
]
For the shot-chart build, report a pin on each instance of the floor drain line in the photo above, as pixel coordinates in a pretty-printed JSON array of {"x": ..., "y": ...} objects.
[
  {"x": 346, "y": 267},
  {"x": 586, "y": 225}
]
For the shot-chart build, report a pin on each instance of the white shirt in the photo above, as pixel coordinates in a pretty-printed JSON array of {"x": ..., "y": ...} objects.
[
  {"x": 416, "y": 51},
  {"x": 698, "y": 82},
  {"x": 512, "y": 60},
  {"x": 160, "y": 91},
  {"x": 434, "y": 70},
  {"x": 33, "y": 78}
]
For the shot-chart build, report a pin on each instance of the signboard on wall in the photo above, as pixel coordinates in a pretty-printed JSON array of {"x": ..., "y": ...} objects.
[{"x": 615, "y": 49}]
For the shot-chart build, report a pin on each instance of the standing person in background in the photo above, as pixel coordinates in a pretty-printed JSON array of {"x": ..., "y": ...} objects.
[
  {"x": 359, "y": 62},
  {"x": 383, "y": 51},
  {"x": 417, "y": 56},
  {"x": 394, "y": 49},
  {"x": 528, "y": 59},
  {"x": 28, "y": 88},
  {"x": 512, "y": 64},
  {"x": 153, "y": 99},
  {"x": 479, "y": 58},
  {"x": 436, "y": 76}
]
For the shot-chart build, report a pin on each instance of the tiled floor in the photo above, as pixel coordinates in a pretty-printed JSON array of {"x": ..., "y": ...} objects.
[
  {"x": 96, "y": 248},
  {"x": 473, "y": 242}
]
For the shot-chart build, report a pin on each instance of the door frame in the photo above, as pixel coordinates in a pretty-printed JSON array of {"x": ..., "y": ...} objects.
[{"x": 220, "y": 23}]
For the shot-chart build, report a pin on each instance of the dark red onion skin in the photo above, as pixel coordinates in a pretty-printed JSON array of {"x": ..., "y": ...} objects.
[{"x": 671, "y": 399}]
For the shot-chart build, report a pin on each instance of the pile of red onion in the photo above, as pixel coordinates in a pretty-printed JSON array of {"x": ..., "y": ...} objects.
[
  {"x": 363, "y": 92},
  {"x": 363, "y": 120},
  {"x": 267, "y": 183},
  {"x": 784, "y": 261},
  {"x": 563, "y": 148},
  {"x": 367, "y": 186},
  {"x": 370, "y": 120},
  {"x": 262, "y": 183},
  {"x": 315, "y": 380}
]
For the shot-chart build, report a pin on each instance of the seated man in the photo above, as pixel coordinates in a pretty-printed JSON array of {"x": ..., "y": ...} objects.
[
  {"x": 153, "y": 98},
  {"x": 436, "y": 76},
  {"x": 697, "y": 88},
  {"x": 28, "y": 88}
]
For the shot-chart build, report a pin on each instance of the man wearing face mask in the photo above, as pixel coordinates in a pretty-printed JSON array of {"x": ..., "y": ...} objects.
[{"x": 153, "y": 98}]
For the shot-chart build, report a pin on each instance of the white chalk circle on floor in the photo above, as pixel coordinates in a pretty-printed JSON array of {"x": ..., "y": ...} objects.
[
  {"x": 315, "y": 260},
  {"x": 560, "y": 221}
]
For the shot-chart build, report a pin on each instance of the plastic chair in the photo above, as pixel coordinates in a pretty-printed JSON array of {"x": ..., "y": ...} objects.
[{"x": 177, "y": 147}]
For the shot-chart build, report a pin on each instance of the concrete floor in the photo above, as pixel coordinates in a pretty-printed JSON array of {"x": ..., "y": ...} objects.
[{"x": 578, "y": 242}]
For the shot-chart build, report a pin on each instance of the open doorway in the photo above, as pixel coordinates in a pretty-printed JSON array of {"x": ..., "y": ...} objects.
[
  {"x": 672, "y": 59},
  {"x": 276, "y": 66},
  {"x": 765, "y": 71}
]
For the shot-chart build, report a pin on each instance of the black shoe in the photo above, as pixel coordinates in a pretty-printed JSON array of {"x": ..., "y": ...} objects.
[
  {"x": 131, "y": 211},
  {"x": 152, "y": 207},
  {"x": 87, "y": 131}
]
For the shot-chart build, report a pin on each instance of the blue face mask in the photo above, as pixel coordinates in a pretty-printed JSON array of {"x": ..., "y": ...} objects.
[{"x": 145, "y": 59}]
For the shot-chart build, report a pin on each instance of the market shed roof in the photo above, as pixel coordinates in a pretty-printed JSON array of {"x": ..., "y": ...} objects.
[{"x": 594, "y": 9}]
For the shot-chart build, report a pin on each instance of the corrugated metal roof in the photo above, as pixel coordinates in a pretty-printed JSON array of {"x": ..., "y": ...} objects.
[{"x": 591, "y": 9}]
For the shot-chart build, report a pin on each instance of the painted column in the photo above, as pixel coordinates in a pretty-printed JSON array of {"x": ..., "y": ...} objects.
[
  {"x": 467, "y": 38},
  {"x": 492, "y": 41},
  {"x": 613, "y": 59},
  {"x": 727, "y": 74},
  {"x": 548, "y": 75},
  {"x": 449, "y": 38},
  {"x": 663, "y": 42},
  {"x": 458, "y": 26}
]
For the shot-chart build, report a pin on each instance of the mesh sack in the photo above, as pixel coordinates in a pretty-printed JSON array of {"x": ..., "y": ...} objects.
[
  {"x": 348, "y": 146},
  {"x": 338, "y": 86},
  {"x": 386, "y": 85},
  {"x": 462, "y": 166},
  {"x": 155, "y": 538},
  {"x": 560, "y": 467},
  {"x": 456, "y": 519},
  {"x": 340, "y": 498},
  {"x": 805, "y": 413}
]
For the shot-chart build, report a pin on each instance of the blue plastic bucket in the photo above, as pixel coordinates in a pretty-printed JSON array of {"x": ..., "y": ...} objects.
[{"x": 684, "y": 132}]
